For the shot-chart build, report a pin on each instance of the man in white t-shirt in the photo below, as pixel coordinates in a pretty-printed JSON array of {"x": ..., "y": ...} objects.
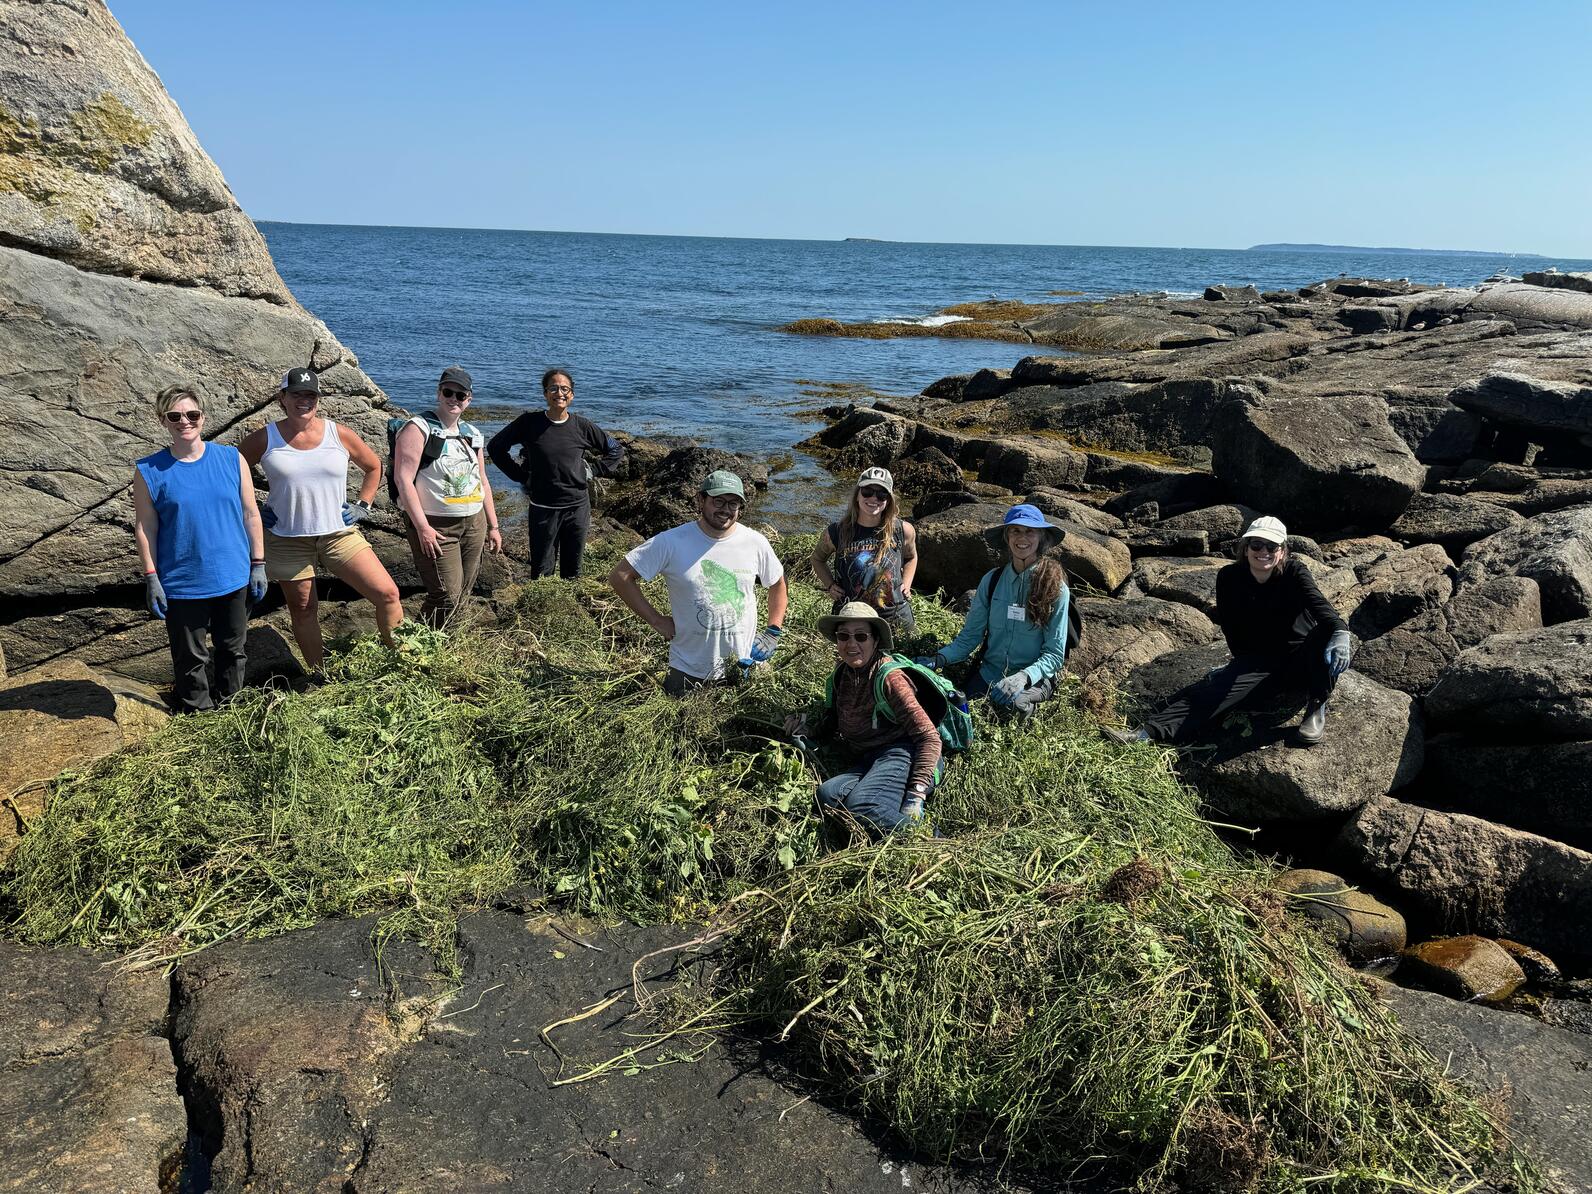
[{"x": 712, "y": 567}]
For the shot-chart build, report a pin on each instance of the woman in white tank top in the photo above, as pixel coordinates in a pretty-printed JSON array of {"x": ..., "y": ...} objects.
[{"x": 309, "y": 520}]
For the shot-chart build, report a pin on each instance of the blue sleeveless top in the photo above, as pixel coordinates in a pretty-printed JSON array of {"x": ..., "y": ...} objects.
[{"x": 201, "y": 549}]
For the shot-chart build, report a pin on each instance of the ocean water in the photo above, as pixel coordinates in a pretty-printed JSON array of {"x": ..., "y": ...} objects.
[{"x": 676, "y": 334}]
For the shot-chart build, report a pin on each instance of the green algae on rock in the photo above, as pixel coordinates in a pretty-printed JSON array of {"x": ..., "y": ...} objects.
[{"x": 1078, "y": 971}]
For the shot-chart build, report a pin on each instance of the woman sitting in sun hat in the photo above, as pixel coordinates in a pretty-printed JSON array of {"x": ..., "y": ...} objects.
[
  {"x": 1283, "y": 635},
  {"x": 1018, "y": 616},
  {"x": 873, "y": 708}
]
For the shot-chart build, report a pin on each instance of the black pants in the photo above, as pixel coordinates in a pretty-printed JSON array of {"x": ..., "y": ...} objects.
[
  {"x": 677, "y": 683},
  {"x": 1246, "y": 680},
  {"x": 226, "y": 619},
  {"x": 559, "y": 534}
]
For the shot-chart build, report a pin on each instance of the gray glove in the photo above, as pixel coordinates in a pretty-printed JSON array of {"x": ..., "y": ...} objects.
[
  {"x": 1004, "y": 691},
  {"x": 156, "y": 596},
  {"x": 353, "y": 512},
  {"x": 933, "y": 662},
  {"x": 1339, "y": 651},
  {"x": 256, "y": 583},
  {"x": 912, "y": 802}
]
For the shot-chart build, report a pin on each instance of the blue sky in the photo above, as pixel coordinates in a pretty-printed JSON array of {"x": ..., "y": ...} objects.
[{"x": 1128, "y": 123}]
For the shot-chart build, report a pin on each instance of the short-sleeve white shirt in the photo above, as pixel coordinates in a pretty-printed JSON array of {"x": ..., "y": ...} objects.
[{"x": 712, "y": 592}]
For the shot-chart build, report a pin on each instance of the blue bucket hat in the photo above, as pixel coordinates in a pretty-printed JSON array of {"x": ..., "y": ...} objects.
[{"x": 1025, "y": 515}]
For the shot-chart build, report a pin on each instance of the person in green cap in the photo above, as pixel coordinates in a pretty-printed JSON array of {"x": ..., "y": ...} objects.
[{"x": 712, "y": 567}]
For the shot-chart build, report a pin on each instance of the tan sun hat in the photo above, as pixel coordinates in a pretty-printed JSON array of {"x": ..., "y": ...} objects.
[{"x": 858, "y": 611}]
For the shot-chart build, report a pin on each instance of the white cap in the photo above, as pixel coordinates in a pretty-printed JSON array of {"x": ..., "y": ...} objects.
[{"x": 1268, "y": 528}]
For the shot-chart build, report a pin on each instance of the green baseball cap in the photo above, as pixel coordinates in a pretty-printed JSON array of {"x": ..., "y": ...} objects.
[{"x": 722, "y": 481}]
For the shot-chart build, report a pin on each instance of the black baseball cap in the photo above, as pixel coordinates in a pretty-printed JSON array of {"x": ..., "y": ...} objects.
[
  {"x": 301, "y": 380},
  {"x": 455, "y": 376}
]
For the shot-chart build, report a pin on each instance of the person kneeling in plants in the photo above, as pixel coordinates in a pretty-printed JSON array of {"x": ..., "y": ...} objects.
[
  {"x": 875, "y": 706},
  {"x": 1018, "y": 617}
]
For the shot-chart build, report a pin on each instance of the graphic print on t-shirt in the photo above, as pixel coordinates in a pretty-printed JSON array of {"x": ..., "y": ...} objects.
[
  {"x": 456, "y": 477},
  {"x": 722, "y": 602}
]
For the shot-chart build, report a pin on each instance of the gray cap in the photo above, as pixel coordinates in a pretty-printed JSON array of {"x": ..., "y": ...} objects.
[
  {"x": 877, "y": 476},
  {"x": 720, "y": 482},
  {"x": 455, "y": 376}
]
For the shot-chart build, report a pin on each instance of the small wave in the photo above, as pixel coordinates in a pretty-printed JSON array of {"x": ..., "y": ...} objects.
[{"x": 931, "y": 321}]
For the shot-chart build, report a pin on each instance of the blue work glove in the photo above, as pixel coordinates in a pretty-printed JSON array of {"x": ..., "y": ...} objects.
[
  {"x": 267, "y": 517},
  {"x": 256, "y": 583},
  {"x": 1339, "y": 650},
  {"x": 763, "y": 646},
  {"x": 1004, "y": 691},
  {"x": 933, "y": 662},
  {"x": 156, "y": 596},
  {"x": 353, "y": 512}
]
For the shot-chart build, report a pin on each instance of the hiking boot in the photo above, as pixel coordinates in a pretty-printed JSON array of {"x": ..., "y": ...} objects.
[
  {"x": 1313, "y": 726},
  {"x": 1125, "y": 736}
]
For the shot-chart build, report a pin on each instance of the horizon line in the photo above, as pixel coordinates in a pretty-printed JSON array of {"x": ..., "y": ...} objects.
[{"x": 817, "y": 240}]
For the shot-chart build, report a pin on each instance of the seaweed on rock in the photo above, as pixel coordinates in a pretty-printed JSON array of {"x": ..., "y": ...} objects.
[{"x": 1076, "y": 974}]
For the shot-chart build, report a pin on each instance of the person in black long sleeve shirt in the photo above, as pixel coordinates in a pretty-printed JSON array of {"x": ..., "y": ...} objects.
[
  {"x": 552, "y": 469},
  {"x": 1283, "y": 635}
]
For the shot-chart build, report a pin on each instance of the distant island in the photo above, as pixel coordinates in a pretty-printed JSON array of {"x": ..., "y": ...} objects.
[{"x": 1287, "y": 248}]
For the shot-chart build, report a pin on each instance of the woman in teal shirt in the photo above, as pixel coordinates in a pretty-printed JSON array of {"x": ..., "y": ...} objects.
[{"x": 1019, "y": 618}]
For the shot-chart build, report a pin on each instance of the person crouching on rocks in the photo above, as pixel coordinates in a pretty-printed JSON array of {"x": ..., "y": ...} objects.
[
  {"x": 439, "y": 474},
  {"x": 712, "y": 567},
  {"x": 198, "y": 535},
  {"x": 874, "y": 710},
  {"x": 875, "y": 552},
  {"x": 1283, "y": 635},
  {"x": 308, "y": 518},
  {"x": 1018, "y": 617}
]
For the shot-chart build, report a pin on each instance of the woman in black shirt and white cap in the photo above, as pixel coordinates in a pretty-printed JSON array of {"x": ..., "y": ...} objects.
[{"x": 1283, "y": 635}]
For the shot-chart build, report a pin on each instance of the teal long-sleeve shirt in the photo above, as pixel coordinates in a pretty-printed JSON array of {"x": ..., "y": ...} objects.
[{"x": 1015, "y": 643}]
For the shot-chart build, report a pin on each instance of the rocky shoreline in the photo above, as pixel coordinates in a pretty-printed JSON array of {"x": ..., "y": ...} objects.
[{"x": 1433, "y": 445}]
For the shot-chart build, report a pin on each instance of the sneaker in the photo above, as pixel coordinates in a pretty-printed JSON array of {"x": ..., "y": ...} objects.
[
  {"x": 1125, "y": 736},
  {"x": 1313, "y": 726}
]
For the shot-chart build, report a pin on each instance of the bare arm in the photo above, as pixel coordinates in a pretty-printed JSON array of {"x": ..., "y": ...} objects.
[
  {"x": 778, "y": 598},
  {"x": 822, "y": 550},
  {"x": 406, "y": 463},
  {"x": 909, "y": 557},
  {"x": 626, "y": 582},
  {"x": 146, "y": 524},
  {"x": 252, "y": 447},
  {"x": 365, "y": 460},
  {"x": 494, "y": 536},
  {"x": 251, "y": 512}
]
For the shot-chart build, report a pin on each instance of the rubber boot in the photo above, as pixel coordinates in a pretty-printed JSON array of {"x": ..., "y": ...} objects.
[
  {"x": 1313, "y": 726},
  {"x": 1125, "y": 737}
]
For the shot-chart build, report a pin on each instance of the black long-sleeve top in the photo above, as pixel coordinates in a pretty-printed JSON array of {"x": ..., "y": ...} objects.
[
  {"x": 551, "y": 466},
  {"x": 1271, "y": 618}
]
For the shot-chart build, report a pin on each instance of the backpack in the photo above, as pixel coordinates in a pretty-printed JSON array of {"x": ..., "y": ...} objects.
[
  {"x": 986, "y": 594},
  {"x": 436, "y": 441},
  {"x": 941, "y": 700}
]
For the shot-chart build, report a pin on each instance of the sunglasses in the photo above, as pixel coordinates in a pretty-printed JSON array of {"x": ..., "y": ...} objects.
[
  {"x": 184, "y": 416},
  {"x": 877, "y": 495},
  {"x": 852, "y": 636},
  {"x": 1263, "y": 549},
  {"x": 461, "y": 395}
]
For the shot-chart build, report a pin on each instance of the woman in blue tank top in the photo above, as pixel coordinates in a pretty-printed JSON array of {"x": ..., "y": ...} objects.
[{"x": 199, "y": 539}]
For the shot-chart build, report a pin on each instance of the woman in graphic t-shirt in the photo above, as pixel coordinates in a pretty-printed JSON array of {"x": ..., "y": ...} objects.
[
  {"x": 871, "y": 554},
  {"x": 449, "y": 515},
  {"x": 198, "y": 535}
]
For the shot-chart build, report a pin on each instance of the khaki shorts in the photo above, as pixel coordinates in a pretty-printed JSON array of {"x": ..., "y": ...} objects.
[{"x": 297, "y": 557}]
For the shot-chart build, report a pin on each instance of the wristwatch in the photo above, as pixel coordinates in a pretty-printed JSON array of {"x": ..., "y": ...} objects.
[{"x": 920, "y": 790}]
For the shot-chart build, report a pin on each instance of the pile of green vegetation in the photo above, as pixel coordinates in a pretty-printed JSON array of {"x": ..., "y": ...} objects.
[{"x": 1075, "y": 974}]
